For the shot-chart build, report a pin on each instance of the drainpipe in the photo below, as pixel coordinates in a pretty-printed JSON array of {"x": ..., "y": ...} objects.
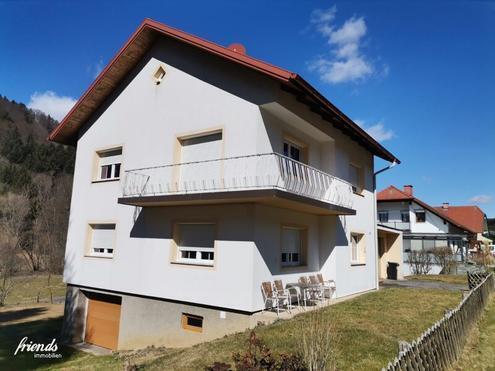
[{"x": 375, "y": 217}]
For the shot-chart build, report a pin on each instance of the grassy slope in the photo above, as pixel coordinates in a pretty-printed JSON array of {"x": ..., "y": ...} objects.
[
  {"x": 26, "y": 288},
  {"x": 479, "y": 350},
  {"x": 448, "y": 278},
  {"x": 370, "y": 325}
]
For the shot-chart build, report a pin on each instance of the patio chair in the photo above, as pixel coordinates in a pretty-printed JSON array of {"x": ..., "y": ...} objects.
[
  {"x": 319, "y": 289},
  {"x": 276, "y": 300},
  {"x": 290, "y": 292},
  {"x": 329, "y": 285},
  {"x": 309, "y": 293}
]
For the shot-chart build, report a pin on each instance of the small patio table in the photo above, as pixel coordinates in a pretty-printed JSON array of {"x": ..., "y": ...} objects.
[{"x": 305, "y": 291}]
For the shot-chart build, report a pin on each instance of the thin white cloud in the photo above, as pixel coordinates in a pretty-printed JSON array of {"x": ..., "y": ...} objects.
[
  {"x": 52, "y": 104},
  {"x": 377, "y": 131},
  {"x": 345, "y": 60},
  {"x": 481, "y": 199},
  {"x": 98, "y": 67}
]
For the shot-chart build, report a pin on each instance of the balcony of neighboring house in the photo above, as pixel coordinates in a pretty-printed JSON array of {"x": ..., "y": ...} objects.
[
  {"x": 269, "y": 178},
  {"x": 399, "y": 225}
]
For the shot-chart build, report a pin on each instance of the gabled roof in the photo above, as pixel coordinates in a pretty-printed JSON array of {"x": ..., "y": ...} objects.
[
  {"x": 393, "y": 194},
  {"x": 470, "y": 216},
  {"x": 144, "y": 37}
]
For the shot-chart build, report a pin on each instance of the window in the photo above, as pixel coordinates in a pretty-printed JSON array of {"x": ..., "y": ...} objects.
[
  {"x": 292, "y": 151},
  {"x": 420, "y": 216},
  {"x": 293, "y": 246},
  {"x": 109, "y": 163},
  {"x": 195, "y": 243},
  {"x": 102, "y": 240},
  {"x": 404, "y": 216},
  {"x": 356, "y": 178},
  {"x": 383, "y": 216},
  {"x": 191, "y": 322},
  {"x": 358, "y": 248}
]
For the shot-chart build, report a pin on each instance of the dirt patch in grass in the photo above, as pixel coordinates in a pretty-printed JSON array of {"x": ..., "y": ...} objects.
[
  {"x": 478, "y": 352},
  {"x": 447, "y": 278},
  {"x": 370, "y": 325}
]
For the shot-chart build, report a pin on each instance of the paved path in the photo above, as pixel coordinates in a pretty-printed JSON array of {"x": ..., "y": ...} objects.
[{"x": 424, "y": 285}]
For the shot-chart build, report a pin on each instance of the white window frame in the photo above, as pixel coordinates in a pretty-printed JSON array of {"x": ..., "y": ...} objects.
[
  {"x": 290, "y": 261},
  {"x": 113, "y": 165},
  {"x": 416, "y": 215},
  {"x": 107, "y": 251},
  {"x": 358, "y": 248},
  {"x": 199, "y": 251},
  {"x": 359, "y": 186}
]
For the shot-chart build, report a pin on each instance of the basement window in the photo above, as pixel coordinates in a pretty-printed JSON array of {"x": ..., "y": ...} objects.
[
  {"x": 159, "y": 75},
  {"x": 191, "y": 322}
]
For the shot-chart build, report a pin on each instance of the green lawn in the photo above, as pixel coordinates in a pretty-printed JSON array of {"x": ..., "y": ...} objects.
[
  {"x": 447, "y": 278},
  {"x": 370, "y": 325},
  {"x": 27, "y": 288},
  {"x": 368, "y": 329},
  {"x": 478, "y": 353}
]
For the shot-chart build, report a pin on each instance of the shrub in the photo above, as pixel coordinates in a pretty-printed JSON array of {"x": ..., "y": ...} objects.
[
  {"x": 444, "y": 257},
  {"x": 259, "y": 357},
  {"x": 419, "y": 261},
  {"x": 317, "y": 342}
]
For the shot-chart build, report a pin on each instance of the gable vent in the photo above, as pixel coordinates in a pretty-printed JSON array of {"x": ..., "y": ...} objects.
[{"x": 159, "y": 75}]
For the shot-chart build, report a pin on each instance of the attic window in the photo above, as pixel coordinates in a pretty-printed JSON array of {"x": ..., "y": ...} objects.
[{"x": 159, "y": 75}]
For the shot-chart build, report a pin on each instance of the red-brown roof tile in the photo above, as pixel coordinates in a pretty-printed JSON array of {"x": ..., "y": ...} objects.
[{"x": 471, "y": 217}]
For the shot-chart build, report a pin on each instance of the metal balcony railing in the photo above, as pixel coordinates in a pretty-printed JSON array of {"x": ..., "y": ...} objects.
[
  {"x": 261, "y": 171},
  {"x": 403, "y": 226}
]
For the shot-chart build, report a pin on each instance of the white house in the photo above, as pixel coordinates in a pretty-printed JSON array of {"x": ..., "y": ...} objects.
[
  {"x": 423, "y": 226},
  {"x": 200, "y": 173}
]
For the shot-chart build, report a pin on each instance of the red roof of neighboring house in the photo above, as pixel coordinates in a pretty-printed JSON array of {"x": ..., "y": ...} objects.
[
  {"x": 391, "y": 194},
  {"x": 470, "y": 216},
  {"x": 141, "y": 41}
]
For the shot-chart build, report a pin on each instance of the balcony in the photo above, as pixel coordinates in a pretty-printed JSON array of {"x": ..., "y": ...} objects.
[
  {"x": 403, "y": 226},
  {"x": 269, "y": 178}
]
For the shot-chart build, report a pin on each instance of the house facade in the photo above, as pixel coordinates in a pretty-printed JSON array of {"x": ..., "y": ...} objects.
[
  {"x": 200, "y": 173},
  {"x": 423, "y": 226}
]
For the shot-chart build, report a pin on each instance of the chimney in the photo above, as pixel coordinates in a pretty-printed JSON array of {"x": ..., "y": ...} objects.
[
  {"x": 445, "y": 206},
  {"x": 408, "y": 190},
  {"x": 238, "y": 48}
]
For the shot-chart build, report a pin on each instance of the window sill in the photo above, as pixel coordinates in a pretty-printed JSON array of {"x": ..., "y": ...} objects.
[
  {"x": 357, "y": 264},
  {"x": 192, "y": 264},
  {"x": 288, "y": 268},
  {"x": 358, "y": 194},
  {"x": 105, "y": 180},
  {"x": 98, "y": 257}
]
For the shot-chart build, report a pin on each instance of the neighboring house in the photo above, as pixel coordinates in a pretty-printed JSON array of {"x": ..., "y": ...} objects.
[
  {"x": 424, "y": 226},
  {"x": 200, "y": 173},
  {"x": 473, "y": 218}
]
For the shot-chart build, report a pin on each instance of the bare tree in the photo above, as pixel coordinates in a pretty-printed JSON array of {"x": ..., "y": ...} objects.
[
  {"x": 13, "y": 212},
  {"x": 445, "y": 257}
]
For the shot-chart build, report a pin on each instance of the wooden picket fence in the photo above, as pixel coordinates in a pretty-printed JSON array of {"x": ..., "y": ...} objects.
[
  {"x": 475, "y": 278},
  {"x": 441, "y": 345}
]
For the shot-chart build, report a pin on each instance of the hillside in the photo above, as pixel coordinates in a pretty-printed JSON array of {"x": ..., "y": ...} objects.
[{"x": 35, "y": 187}]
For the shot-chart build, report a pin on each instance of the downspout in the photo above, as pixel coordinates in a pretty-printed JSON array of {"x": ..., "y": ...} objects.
[{"x": 375, "y": 217}]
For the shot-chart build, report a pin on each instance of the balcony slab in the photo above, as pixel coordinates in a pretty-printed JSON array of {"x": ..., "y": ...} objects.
[{"x": 271, "y": 197}]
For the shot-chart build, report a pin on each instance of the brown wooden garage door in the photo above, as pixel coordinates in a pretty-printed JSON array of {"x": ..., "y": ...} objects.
[{"x": 103, "y": 319}]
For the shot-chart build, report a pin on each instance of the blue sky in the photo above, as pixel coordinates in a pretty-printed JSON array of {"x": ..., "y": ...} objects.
[{"x": 417, "y": 75}]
